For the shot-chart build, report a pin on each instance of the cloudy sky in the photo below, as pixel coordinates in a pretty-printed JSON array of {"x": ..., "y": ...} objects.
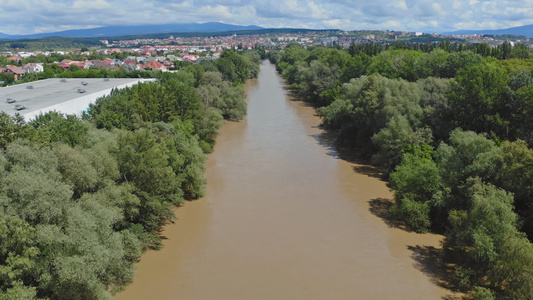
[{"x": 36, "y": 16}]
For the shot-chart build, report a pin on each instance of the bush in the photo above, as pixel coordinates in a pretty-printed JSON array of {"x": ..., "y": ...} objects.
[{"x": 415, "y": 214}]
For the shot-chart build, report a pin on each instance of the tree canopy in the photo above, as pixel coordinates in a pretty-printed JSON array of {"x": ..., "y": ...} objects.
[
  {"x": 452, "y": 130},
  {"x": 81, "y": 199}
]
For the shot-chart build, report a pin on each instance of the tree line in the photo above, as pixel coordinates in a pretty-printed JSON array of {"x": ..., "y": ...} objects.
[
  {"x": 452, "y": 130},
  {"x": 81, "y": 199},
  {"x": 49, "y": 43}
]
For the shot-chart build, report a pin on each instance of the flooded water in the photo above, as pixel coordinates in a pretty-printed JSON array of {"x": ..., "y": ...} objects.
[{"x": 284, "y": 218}]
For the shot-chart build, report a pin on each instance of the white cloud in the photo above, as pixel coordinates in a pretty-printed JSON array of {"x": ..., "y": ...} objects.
[
  {"x": 31, "y": 16},
  {"x": 337, "y": 23},
  {"x": 318, "y": 11},
  {"x": 90, "y": 4},
  {"x": 183, "y": 5},
  {"x": 218, "y": 11}
]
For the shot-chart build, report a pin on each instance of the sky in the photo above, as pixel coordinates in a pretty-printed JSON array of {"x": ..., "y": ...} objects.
[{"x": 37, "y": 16}]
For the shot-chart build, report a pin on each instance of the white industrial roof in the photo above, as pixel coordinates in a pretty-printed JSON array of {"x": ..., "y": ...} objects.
[{"x": 61, "y": 95}]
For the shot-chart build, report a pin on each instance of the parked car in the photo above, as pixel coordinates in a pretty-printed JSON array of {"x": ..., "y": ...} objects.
[
  {"x": 20, "y": 107},
  {"x": 11, "y": 100}
]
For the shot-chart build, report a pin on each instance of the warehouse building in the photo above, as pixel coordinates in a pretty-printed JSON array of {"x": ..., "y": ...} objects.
[{"x": 64, "y": 95}]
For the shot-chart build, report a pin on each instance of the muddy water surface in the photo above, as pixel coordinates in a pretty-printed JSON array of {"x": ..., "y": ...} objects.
[{"x": 284, "y": 218}]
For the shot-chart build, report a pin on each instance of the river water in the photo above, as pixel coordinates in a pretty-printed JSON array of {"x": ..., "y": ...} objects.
[{"x": 283, "y": 218}]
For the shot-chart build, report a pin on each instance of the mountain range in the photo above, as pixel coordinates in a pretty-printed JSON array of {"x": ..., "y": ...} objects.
[
  {"x": 526, "y": 30},
  {"x": 115, "y": 31},
  {"x": 119, "y": 31}
]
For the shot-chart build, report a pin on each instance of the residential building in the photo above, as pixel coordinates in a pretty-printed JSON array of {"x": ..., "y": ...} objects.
[{"x": 32, "y": 68}]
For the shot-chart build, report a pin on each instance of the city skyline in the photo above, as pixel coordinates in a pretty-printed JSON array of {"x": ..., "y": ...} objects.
[{"x": 39, "y": 16}]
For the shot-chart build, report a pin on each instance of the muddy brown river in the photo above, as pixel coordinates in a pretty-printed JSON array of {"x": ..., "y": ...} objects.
[{"x": 284, "y": 218}]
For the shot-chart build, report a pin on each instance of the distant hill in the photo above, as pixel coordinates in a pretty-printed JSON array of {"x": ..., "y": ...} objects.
[
  {"x": 115, "y": 31},
  {"x": 225, "y": 33},
  {"x": 526, "y": 30},
  {"x": 52, "y": 43}
]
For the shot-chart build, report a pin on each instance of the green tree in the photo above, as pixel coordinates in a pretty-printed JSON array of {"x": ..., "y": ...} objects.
[
  {"x": 207, "y": 128},
  {"x": 483, "y": 49},
  {"x": 180, "y": 101},
  {"x": 431, "y": 64},
  {"x": 435, "y": 105},
  {"x": 233, "y": 66},
  {"x": 394, "y": 138},
  {"x": 186, "y": 158},
  {"x": 514, "y": 173},
  {"x": 484, "y": 238},
  {"x": 479, "y": 99},
  {"x": 355, "y": 67},
  {"x": 395, "y": 64},
  {"x": 11, "y": 129},
  {"x": 522, "y": 111},
  {"x": 417, "y": 186},
  {"x": 370, "y": 49},
  {"x": 33, "y": 184},
  {"x": 291, "y": 54},
  {"x": 18, "y": 257},
  {"x": 55, "y": 127},
  {"x": 521, "y": 79},
  {"x": 456, "y": 61},
  {"x": 503, "y": 50},
  {"x": 229, "y": 99},
  {"x": 468, "y": 154},
  {"x": 313, "y": 80},
  {"x": 144, "y": 163},
  {"x": 520, "y": 51},
  {"x": 85, "y": 257},
  {"x": 113, "y": 111},
  {"x": 76, "y": 170}
]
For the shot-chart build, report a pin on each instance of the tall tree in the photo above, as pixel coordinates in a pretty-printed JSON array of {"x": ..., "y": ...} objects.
[{"x": 478, "y": 100}]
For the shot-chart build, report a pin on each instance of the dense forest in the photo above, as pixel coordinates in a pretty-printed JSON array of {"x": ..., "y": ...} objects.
[
  {"x": 81, "y": 199},
  {"x": 452, "y": 129}
]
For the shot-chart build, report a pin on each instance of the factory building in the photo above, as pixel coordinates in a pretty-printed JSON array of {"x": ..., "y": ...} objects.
[{"x": 64, "y": 95}]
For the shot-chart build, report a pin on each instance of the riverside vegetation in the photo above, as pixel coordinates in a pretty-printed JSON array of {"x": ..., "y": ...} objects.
[
  {"x": 81, "y": 199},
  {"x": 452, "y": 129}
]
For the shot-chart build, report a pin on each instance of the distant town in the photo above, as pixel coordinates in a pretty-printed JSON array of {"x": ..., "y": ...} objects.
[{"x": 162, "y": 54}]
